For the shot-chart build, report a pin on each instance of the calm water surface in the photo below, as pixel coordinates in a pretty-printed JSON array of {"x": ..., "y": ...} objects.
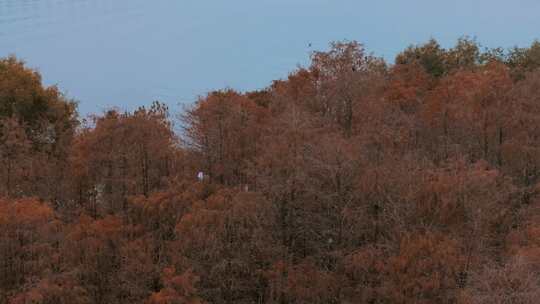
[{"x": 129, "y": 52}]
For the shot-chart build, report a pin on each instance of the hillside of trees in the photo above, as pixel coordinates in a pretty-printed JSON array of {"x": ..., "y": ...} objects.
[{"x": 352, "y": 180}]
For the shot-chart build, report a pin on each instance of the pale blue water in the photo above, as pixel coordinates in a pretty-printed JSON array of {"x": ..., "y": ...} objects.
[{"x": 130, "y": 52}]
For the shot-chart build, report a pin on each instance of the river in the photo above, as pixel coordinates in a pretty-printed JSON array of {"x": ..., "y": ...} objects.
[{"x": 126, "y": 53}]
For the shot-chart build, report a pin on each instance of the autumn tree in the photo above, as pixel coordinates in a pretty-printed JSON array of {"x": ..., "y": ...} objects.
[
  {"x": 468, "y": 112},
  {"x": 429, "y": 55},
  {"x": 14, "y": 152},
  {"x": 179, "y": 289},
  {"x": 224, "y": 129},
  {"x": 27, "y": 248},
  {"x": 122, "y": 155},
  {"x": 513, "y": 282},
  {"x": 519, "y": 150},
  {"x": 348, "y": 181},
  {"x": 347, "y": 78},
  {"x": 523, "y": 60},
  {"x": 48, "y": 119},
  {"x": 226, "y": 241}
]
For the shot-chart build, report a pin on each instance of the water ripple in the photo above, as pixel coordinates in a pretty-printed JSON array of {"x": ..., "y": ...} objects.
[{"x": 23, "y": 18}]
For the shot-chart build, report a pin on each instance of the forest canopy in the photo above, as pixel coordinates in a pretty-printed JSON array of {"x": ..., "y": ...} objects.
[{"x": 352, "y": 180}]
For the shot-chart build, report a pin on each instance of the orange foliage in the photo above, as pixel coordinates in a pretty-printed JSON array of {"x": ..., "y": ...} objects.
[{"x": 349, "y": 181}]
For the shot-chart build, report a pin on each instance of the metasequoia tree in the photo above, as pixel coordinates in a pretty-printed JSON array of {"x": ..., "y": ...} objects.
[
  {"x": 14, "y": 152},
  {"x": 48, "y": 121},
  {"x": 26, "y": 243},
  {"x": 513, "y": 282},
  {"x": 224, "y": 128},
  {"x": 226, "y": 239},
  {"x": 178, "y": 289},
  {"x": 347, "y": 78},
  {"x": 348, "y": 181},
  {"x": 438, "y": 61},
  {"x": 48, "y": 117},
  {"x": 522, "y": 143},
  {"x": 122, "y": 155}
]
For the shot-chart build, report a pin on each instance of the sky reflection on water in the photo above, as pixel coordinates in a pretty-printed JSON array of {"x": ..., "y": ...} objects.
[{"x": 130, "y": 52}]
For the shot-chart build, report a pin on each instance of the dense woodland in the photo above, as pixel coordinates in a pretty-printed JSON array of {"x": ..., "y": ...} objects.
[{"x": 351, "y": 181}]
